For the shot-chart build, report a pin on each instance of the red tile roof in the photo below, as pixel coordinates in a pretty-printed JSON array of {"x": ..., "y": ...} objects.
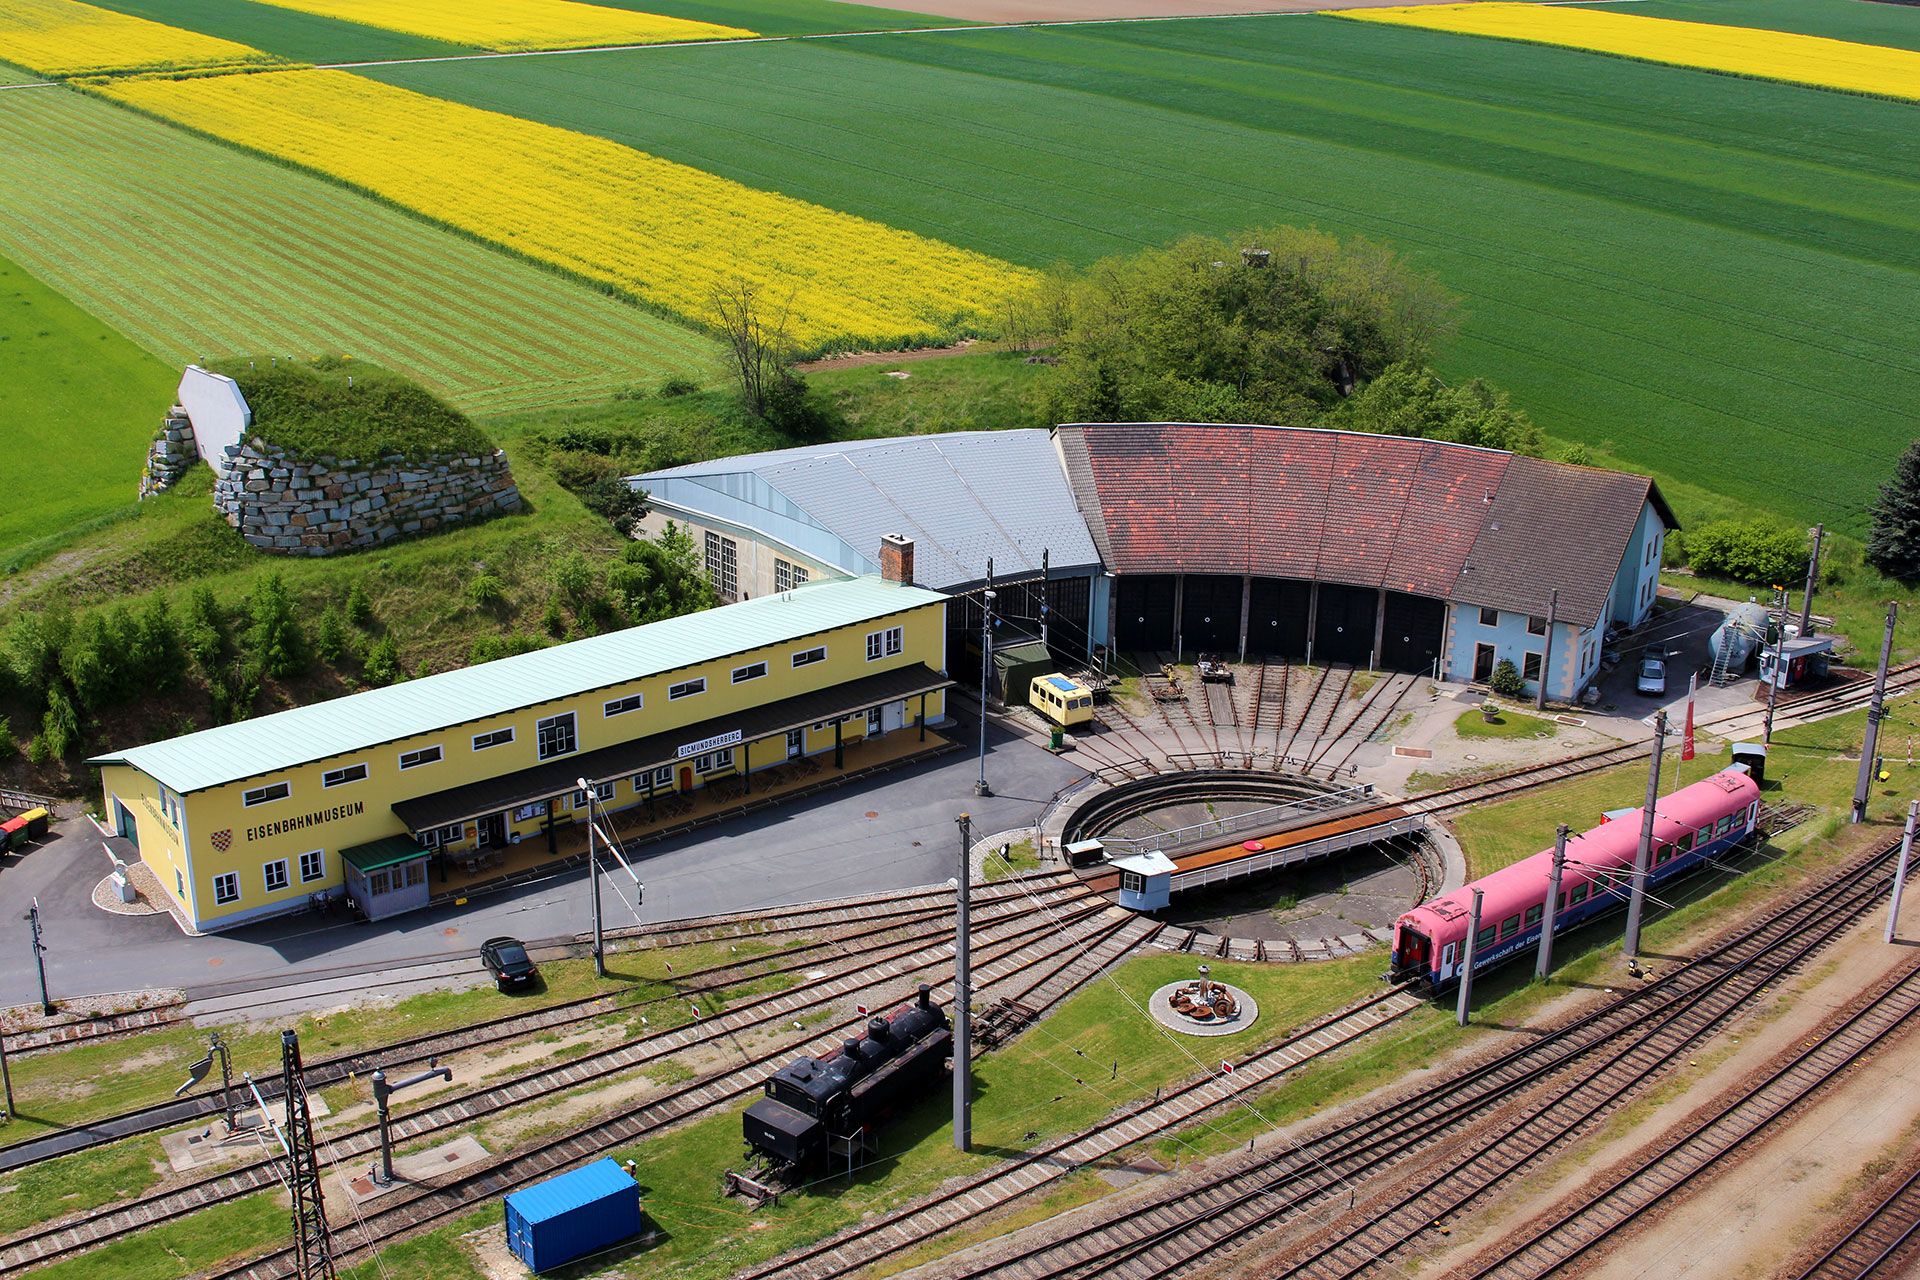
[{"x": 1353, "y": 508}]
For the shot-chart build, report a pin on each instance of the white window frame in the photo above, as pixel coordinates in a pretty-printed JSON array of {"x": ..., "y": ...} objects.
[
  {"x": 807, "y": 657},
  {"x": 875, "y": 645},
  {"x": 1132, "y": 882},
  {"x": 435, "y": 837},
  {"x": 620, "y": 706},
  {"x": 873, "y": 721},
  {"x": 787, "y": 575},
  {"x": 551, "y": 726},
  {"x": 319, "y": 871},
  {"x": 286, "y": 875},
  {"x": 687, "y": 689},
  {"x": 896, "y": 641},
  {"x": 419, "y": 756},
  {"x": 258, "y": 796},
  {"x": 602, "y": 791},
  {"x": 752, "y": 671},
  {"x": 714, "y": 761},
  {"x": 492, "y": 738},
  {"x": 338, "y": 777},
  {"x": 226, "y": 888}
]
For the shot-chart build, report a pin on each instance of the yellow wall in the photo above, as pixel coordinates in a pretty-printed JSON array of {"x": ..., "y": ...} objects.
[{"x": 356, "y": 812}]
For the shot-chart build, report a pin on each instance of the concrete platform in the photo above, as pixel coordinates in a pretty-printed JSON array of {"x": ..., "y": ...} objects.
[
  {"x": 420, "y": 1167},
  {"x": 211, "y": 1144}
]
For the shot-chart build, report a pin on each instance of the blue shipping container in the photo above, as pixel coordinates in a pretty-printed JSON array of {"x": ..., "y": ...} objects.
[{"x": 568, "y": 1217}]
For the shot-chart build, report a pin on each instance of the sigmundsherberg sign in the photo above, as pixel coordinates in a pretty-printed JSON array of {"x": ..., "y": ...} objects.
[{"x": 708, "y": 744}]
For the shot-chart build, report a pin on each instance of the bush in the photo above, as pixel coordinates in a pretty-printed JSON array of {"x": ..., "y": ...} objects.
[
  {"x": 1757, "y": 552},
  {"x": 484, "y": 591},
  {"x": 575, "y": 581},
  {"x": 383, "y": 661},
  {"x": 276, "y": 637},
  {"x": 359, "y": 608},
  {"x": 7, "y": 745},
  {"x": 676, "y": 385},
  {"x": 1506, "y": 679},
  {"x": 38, "y": 752},
  {"x": 486, "y": 649},
  {"x": 332, "y": 641}
]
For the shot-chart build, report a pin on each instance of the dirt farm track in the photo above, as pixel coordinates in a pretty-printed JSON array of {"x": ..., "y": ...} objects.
[{"x": 1106, "y": 10}]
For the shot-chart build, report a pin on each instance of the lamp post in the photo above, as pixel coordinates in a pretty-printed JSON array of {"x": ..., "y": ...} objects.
[{"x": 981, "y": 788}]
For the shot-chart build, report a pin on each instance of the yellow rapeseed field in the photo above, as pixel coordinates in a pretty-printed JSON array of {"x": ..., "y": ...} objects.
[
  {"x": 67, "y": 38},
  {"x": 662, "y": 231},
  {"x": 1771, "y": 55},
  {"x": 516, "y": 24}
]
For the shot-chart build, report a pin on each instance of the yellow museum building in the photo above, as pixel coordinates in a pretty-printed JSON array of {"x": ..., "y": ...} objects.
[{"x": 356, "y": 795}]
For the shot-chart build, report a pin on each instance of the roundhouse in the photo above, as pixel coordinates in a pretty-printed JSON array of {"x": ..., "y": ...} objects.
[{"x": 1304, "y": 544}]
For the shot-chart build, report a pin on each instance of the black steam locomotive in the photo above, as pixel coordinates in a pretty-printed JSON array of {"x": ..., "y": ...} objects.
[{"x": 811, "y": 1100}]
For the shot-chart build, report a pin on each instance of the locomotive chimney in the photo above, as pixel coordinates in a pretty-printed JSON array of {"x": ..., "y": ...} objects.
[
  {"x": 877, "y": 1028},
  {"x": 852, "y": 1049},
  {"x": 896, "y": 559},
  {"x": 926, "y": 997}
]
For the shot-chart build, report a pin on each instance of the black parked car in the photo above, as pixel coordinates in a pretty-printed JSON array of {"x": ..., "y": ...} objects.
[{"x": 507, "y": 960}]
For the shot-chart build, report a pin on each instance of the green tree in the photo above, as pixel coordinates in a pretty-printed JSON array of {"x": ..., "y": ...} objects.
[
  {"x": 205, "y": 632},
  {"x": 1893, "y": 545},
  {"x": 359, "y": 608},
  {"x": 1408, "y": 399},
  {"x": 276, "y": 638},
  {"x": 661, "y": 577},
  {"x": 383, "y": 660},
  {"x": 60, "y": 726},
  {"x": 575, "y": 580},
  {"x": 1760, "y": 552},
  {"x": 90, "y": 667},
  {"x": 34, "y": 644},
  {"x": 1506, "y": 679},
  {"x": 332, "y": 640},
  {"x": 159, "y": 655},
  {"x": 1202, "y": 331}
]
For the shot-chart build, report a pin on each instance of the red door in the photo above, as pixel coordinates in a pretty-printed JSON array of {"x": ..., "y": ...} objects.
[{"x": 686, "y": 777}]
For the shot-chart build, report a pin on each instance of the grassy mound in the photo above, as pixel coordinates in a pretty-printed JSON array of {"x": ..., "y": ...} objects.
[{"x": 337, "y": 408}]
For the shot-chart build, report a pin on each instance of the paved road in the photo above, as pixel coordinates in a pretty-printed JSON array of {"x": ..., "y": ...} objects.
[{"x": 822, "y": 847}]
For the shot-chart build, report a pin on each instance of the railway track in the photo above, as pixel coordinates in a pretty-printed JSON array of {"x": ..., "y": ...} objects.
[
  {"x": 1016, "y": 953},
  {"x": 1375, "y": 1185},
  {"x": 1878, "y": 1245},
  {"x": 429, "y": 1206},
  {"x": 865, "y": 915},
  {"x": 959, "y": 1204},
  {"x": 104, "y": 1027},
  {"x": 1405, "y": 685},
  {"x": 1307, "y": 713},
  {"x": 1566, "y": 1240}
]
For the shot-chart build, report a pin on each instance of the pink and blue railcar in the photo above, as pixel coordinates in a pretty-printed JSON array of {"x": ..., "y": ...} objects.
[{"x": 1692, "y": 825}]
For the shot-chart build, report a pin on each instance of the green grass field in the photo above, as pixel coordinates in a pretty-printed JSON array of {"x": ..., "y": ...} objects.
[
  {"x": 79, "y": 402},
  {"x": 1894, "y": 25},
  {"x": 1692, "y": 270},
  {"x": 280, "y": 263}
]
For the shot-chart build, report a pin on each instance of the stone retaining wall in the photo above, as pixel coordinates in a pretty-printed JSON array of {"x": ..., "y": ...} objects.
[
  {"x": 171, "y": 455},
  {"x": 314, "y": 507}
]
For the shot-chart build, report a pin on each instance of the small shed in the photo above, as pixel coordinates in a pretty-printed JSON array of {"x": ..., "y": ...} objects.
[
  {"x": 1085, "y": 853},
  {"x": 554, "y": 1222},
  {"x": 1017, "y": 665},
  {"x": 387, "y": 876},
  {"x": 1796, "y": 661},
  {"x": 1754, "y": 756},
  {"x": 1146, "y": 880}
]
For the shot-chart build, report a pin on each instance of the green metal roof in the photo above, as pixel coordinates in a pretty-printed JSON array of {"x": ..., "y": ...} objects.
[
  {"x": 251, "y": 748},
  {"x": 384, "y": 852}
]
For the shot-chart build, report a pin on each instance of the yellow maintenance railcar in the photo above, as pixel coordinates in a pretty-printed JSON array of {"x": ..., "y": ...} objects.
[{"x": 1062, "y": 699}]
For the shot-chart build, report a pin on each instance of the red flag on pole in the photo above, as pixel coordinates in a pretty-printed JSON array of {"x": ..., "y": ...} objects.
[{"x": 1686, "y": 746}]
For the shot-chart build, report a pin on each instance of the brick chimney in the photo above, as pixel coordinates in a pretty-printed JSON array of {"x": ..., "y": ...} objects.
[{"x": 896, "y": 559}]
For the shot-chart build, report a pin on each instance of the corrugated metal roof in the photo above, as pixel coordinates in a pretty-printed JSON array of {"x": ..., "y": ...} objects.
[
  {"x": 962, "y": 496},
  {"x": 384, "y": 852},
  {"x": 229, "y": 753},
  {"x": 546, "y": 1200}
]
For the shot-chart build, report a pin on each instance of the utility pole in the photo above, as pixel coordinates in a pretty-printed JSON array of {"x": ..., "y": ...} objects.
[
  {"x": 381, "y": 1092},
  {"x": 1545, "y": 964},
  {"x": 1813, "y": 578},
  {"x": 1466, "y": 964},
  {"x": 1546, "y": 658},
  {"x": 593, "y": 882},
  {"x": 1044, "y": 558},
  {"x": 40, "y": 957},
  {"x": 1874, "y": 713},
  {"x": 981, "y": 788},
  {"x": 1777, "y": 675},
  {"x": 963, "y": 994},
  {"x": 1899, "y": 877},
  {"x": 1643, "y": 856},
  {"x": 6, "y": 1078},
  {"x": 312, "y": 1246}
]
